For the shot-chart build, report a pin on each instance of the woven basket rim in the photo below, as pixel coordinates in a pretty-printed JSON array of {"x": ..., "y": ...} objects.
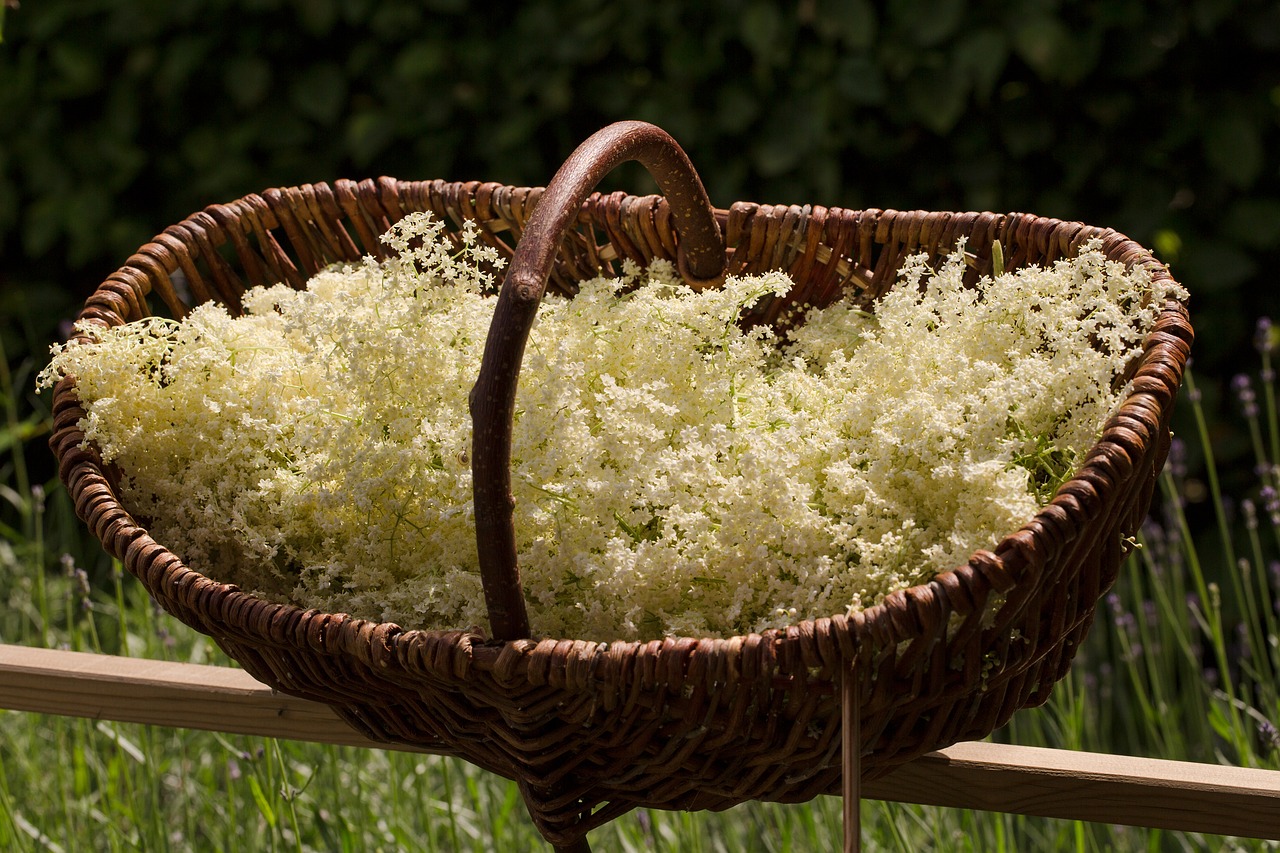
[{"x": 983, "y": 561}]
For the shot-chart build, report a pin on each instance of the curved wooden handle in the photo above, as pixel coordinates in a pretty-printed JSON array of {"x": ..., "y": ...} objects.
[{"x": 701, "y": 260}]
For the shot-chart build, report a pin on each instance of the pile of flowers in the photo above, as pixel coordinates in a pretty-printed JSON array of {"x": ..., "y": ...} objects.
[{"x": 674, "y": 473}]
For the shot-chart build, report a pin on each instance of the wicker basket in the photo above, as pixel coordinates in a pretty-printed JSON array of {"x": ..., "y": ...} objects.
[{"x": 591, "y": 730}]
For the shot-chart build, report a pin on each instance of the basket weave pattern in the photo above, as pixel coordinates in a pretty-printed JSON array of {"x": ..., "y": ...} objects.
[{"x": 592, "y": 730}]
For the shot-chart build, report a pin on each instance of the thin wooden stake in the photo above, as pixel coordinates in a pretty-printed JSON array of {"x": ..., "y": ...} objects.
[{"x": 852, "y": 760}]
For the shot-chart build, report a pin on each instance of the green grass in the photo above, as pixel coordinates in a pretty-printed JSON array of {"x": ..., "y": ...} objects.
[{"x": 1181, "y": 664}]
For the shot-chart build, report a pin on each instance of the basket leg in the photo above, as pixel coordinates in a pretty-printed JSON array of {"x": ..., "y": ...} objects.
[
  {"x": 851, "y": 749},
  {"x": 579, "y": 846},
  {"x": 550, "y": 825}
]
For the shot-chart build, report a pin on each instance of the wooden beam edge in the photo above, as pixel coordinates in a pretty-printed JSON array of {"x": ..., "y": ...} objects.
[
  {"x": 1071, "y": 785},
  {"x": 1053, "y": 783},
  {"x": 163, "y": 693}
]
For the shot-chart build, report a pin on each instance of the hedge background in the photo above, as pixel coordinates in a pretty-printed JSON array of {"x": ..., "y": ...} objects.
[{"x": 119, "y": 117}]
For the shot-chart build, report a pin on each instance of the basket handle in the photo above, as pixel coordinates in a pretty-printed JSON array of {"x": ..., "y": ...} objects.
[{"x": 700, "y": 259}]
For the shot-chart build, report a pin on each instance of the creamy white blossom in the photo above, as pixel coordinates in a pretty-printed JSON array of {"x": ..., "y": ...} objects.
[{"x": 673, "y": 473}]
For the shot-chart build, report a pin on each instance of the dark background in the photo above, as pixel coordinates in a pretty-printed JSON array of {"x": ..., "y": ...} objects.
[{"x": 1159, "y": 119}]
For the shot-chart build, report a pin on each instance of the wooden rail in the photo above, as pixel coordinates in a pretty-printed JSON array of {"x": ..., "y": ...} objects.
[{"x": 993, "y": 777}]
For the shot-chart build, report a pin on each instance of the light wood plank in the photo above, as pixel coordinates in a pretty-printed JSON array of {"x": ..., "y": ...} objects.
[
  {"x": 1091, "y": 786},
  {"x": 987, "y": 776},
  {"x": 163, "y": 693}
]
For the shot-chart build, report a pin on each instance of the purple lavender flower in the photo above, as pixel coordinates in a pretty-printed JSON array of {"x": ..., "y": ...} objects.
[
  {"x": 1271, "y": 503},
  {"x": 1262, "y": 337},
  {"x": 1156, "y": 539},
  {"x": 78, "y": 577},
  {"x": 1270, "y": 736},
  {"x": 1245, "y": 396},
  {"x": 1150, "y": 613},
  {"x": 1177, "y": 458}
]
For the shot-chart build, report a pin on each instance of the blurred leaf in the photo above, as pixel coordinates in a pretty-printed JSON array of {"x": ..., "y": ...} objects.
[
  {"x": 1233, "y": 148},
  {"x": 88, "y": 212},
  {"x": 1255, "y": 222},
  {"x": 77, "y": 68},
  {"x": 936, "y": 97},
  {"x": 1109, "y": 108},
  {"x": 248, "y": 79},
  {"x": 320, "y": 93},
  {"x": 260, "y": 798},
  {"x": 317, "y": 17},
  {"x": 22, "y": 431},
  {"x": 736, "y": 108},
  {"x": 368, "y": 133},
  {"x": 1264, "y": 28},
  {"x": 396, "y": 21},
  {"x": 1208, "y": 14},
  {"x": 1147, "y": 46},
  {"x": 760, "y": 26},
  {"x": 1168, "y": 245},
  {"x": 34, "y": 308},
  {"x": 203, "y": 147},
  {"x": 860, "y": 80},
  {"x": 1221, "y": 726},
  {"x": 43, "y": 21},
  {"x": 124, "y": 234},
  {"x": 852, "y": 21},
  {"x": 686, "y": 58},
  {"x": 44, "y": 223},
  {"x": 8, "y": 202},
  {"x": 516, "y": 133},
  {"x": 981, "y": 55},
  {"x": 926, "y": 23},
  {"x": 1025, "y": 131},
  {"x": 1215, "y": 265},
  {"x": 793, "y": 131},
  {"x": 184, "y": 58},
  {"x": 1043, "y": 43},
  {"x": 556, "y": 95},
  {"x": 420, "y": 60}
]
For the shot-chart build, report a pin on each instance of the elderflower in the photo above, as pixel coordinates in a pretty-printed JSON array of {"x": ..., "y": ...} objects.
[{"x": 673, "y": 472}]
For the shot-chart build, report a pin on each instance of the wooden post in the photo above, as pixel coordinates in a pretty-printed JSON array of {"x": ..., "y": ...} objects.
[{"x": 851, "y": 753}]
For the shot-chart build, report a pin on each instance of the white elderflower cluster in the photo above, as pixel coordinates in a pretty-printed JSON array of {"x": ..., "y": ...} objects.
[{"x": 673, "y": 473}]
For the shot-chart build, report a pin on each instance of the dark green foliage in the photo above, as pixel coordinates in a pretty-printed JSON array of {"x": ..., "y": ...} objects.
[{"x": 122, "y": 117}]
